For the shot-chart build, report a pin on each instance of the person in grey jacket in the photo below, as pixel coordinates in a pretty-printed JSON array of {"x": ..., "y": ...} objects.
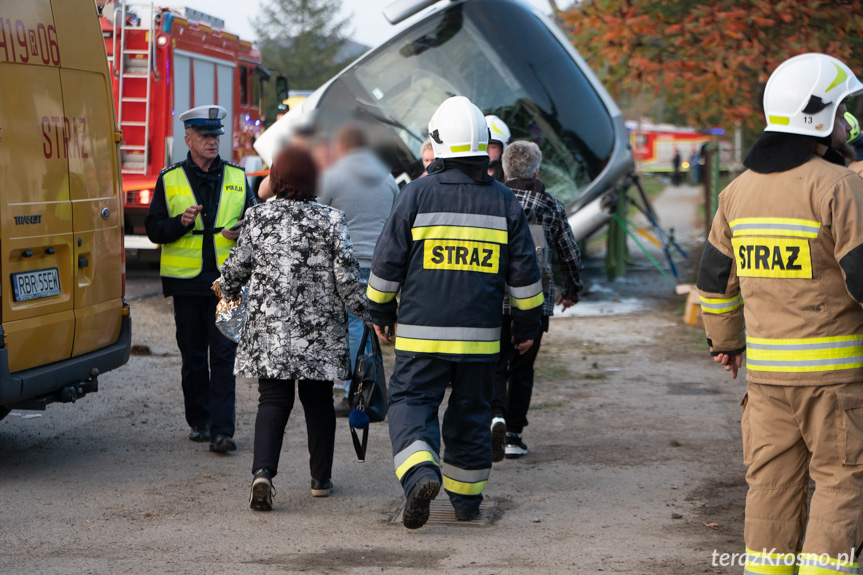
[
  {"x": 361, "y": 186},
  {"x": 295, "y": 254}
]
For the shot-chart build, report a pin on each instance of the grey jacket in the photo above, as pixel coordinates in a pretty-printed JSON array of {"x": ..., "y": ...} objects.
[
  {"x": 296, "y": 257},
  {"x": 360, "y": 186}
]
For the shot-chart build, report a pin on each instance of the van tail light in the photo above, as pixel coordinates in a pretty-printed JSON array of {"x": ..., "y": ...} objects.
[{"x": 123, "y": 258}]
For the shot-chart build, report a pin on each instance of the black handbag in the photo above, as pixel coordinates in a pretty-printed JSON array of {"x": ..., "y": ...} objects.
[{"x": 368, "y": 392}]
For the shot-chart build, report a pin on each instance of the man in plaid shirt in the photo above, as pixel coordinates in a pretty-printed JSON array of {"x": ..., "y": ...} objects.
[{"x": 510, "y": 403}]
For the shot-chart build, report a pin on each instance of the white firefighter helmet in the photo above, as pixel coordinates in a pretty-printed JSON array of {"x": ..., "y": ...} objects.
[
  {"x": 803, "y": 93},
  {"x": 457, "y": 129},
  {"x": 498, "y": 130}
]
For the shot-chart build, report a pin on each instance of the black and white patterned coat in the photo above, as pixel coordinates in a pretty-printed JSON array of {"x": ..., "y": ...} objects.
[{"x": 298, "y": 260}]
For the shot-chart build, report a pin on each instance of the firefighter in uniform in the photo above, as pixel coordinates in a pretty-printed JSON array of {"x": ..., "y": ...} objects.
[
  {"x": 195, "y": 205},
  {"x": 855, "y": 144},
  {"x": 785, "y": 259},
  {"x": 453, "y": 241},
  {"x": 499, "y": 136}
]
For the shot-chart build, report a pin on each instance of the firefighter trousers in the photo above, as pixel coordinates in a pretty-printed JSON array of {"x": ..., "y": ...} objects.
[
  {"x": 792, "y": 433},
  {"x": 417, "y": 389}
]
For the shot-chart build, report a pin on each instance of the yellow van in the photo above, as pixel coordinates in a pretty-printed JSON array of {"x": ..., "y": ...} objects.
[{"x": 63, "y": 316}]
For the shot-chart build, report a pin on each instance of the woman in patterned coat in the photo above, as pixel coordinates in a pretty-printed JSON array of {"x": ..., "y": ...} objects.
[{"x": 296, "y": 256}]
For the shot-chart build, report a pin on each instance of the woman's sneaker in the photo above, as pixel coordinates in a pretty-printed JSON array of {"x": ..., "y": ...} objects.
[
  {"x": 514, "y": 447},
  {"x": 321, "y": 488},
  {"x": 262, "y": 493}
]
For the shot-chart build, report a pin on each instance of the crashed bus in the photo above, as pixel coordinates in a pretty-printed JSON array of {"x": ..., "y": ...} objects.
[{"x": 511, "y": 61}]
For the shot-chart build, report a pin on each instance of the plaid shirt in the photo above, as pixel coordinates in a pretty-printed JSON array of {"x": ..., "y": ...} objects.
[{"x": 551, "y": 213}]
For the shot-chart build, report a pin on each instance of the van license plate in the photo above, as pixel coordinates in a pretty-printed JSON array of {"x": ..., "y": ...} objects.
[{"x": 36, "y": 284}]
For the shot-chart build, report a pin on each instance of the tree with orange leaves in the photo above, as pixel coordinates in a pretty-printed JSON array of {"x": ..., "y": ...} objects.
[{"x": 709, "y": 59}]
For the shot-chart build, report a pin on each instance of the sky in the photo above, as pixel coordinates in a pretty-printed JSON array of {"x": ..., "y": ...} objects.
[{"x": 364, "y": 17}]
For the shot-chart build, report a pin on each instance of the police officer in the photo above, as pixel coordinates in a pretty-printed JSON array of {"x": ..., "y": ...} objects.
[
  {"x": 452, "y": 242},
  {"x": 196, "y": 203},
  {"x": 785, "y": 259}
]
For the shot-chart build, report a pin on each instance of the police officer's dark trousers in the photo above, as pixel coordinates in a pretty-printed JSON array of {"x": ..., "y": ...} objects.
[
  {"x": 417, "y": 388},
  {"x": 209, "y": 387}
]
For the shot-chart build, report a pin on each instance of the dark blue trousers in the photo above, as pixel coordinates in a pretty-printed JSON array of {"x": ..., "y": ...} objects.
[
  {"x": 209, "y": 387},
  {"x": 513, "y": 378},
  {"x": 417, "y": 389}
]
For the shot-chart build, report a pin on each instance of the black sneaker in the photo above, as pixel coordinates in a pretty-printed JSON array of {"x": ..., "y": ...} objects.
[
  {"x": 419, "y": 500},
  {"x": 321, "y": 488},
  {"x": 498, "y": 435},
  {"x": 515, "y": 447},
  {"x": 261, "y": 496}
]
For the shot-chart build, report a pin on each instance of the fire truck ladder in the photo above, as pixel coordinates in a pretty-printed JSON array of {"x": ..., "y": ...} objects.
[{"x": 134, "y": 150}]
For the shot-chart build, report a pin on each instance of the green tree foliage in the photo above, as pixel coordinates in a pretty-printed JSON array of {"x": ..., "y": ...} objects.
[
  {"x": 301, "y": 39},
  {"x": 710, "y": 59}
]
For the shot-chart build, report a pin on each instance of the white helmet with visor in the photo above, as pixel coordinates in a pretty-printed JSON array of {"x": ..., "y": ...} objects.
[{"x": 803, "y": 93}]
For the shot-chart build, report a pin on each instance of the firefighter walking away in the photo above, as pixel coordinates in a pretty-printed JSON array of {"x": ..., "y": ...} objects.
[{"x": 455, "y": 241}]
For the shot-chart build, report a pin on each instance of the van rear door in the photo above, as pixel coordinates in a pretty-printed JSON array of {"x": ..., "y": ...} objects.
[
  {"x": 36, "y": 246},
  {"x": 94, "y": 180}
]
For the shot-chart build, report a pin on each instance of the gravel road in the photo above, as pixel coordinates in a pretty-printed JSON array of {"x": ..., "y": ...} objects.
[{"x": 634, "y": 467}]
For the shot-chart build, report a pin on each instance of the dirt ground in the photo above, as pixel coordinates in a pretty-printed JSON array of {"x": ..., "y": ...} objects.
[{"x": 634, "y": 466}]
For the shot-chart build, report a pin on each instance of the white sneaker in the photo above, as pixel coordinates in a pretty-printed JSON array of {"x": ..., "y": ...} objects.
[
  {"x": 498, "y": 435},
  {"x": 515, "y": 447}
]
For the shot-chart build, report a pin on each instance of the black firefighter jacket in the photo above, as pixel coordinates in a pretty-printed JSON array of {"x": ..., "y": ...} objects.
[{"x": 454, "y": 245}]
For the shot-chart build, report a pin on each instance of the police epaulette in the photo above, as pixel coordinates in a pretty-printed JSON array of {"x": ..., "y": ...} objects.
[
  {"x": 233, "y": 165},
  {"x": 171, "y": 167}
]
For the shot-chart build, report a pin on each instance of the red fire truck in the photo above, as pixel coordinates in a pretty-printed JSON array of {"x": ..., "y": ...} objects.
[
  {"x": 164, "y": 61},
  {"x": 653, "y": 146}
]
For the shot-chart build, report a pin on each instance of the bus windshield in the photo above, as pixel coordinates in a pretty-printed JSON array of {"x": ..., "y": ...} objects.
[{"x": 502, "y": 57}]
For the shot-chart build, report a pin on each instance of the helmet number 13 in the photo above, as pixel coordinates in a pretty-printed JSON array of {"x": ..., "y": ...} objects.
[{"x": 807, "y": 119}]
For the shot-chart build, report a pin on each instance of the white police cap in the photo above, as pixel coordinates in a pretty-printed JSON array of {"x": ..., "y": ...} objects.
[{"x": 205, "y": 119}]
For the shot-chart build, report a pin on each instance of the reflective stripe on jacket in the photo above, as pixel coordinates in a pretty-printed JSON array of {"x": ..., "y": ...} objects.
[
  {"x": 785, "y": 254},
  {"x": 184, "y": 257},
  {"x": 450, "y": 245}
]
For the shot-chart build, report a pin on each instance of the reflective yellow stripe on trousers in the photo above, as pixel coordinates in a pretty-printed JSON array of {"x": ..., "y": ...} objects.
[
  {"x": 805, "y": 355},
  {"x": 764, "y": 563},
  {"x": 417, "y": 452},
  {"x": 813, "y": 564},
  {"x": 464, "y": 481}
]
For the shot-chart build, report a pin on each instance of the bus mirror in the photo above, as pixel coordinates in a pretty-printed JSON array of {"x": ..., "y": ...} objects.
[{"x": 281, "y": 88}]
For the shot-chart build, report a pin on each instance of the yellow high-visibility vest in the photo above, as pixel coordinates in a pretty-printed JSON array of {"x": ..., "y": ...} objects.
[{"x": 184, "y": 258}]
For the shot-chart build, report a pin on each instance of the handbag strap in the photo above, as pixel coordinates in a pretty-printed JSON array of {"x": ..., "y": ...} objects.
[
  {"x": 368, "y": 332},
  {"x": 360, "y": 447}
]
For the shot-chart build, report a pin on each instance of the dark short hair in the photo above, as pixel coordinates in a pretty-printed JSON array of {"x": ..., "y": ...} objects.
[{"x": 294, "y": 175}]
